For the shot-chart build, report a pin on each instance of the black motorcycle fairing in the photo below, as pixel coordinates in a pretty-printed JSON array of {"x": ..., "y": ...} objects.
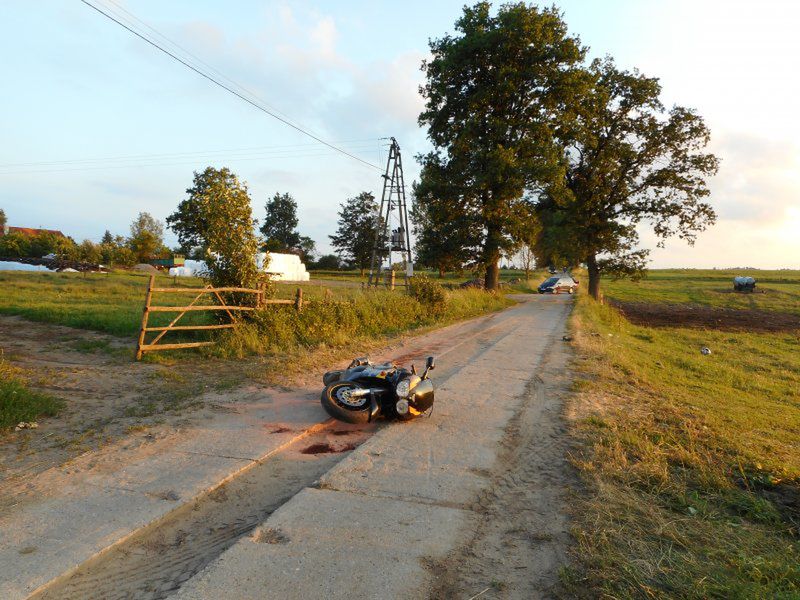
[{"x": 421, "y": 396}]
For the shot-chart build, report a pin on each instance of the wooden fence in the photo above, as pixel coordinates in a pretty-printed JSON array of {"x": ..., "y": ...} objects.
[{"x": 153, "y": 345}]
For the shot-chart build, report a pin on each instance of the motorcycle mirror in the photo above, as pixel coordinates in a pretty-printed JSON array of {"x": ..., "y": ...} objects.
[{"x": 429, "y": 364}]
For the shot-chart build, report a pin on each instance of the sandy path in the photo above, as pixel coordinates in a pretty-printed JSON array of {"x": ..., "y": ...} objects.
[{"x": 128, "y": 482}]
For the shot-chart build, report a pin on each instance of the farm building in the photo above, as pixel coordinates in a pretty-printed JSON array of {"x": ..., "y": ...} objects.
[{"x": 30, "y": 232}]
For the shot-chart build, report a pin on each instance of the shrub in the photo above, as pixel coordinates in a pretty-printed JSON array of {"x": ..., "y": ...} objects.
[
  {"x": 428, "y": 293},
  {"x": 18, "y": 403},
  {"x": 366, "y": 316}
]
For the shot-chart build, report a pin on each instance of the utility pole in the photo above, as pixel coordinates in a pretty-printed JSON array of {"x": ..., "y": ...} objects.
[{"x": 392, "y": 235}]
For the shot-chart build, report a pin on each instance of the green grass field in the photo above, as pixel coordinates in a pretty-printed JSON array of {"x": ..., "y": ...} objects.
[
  {"x": 112, "y": 303},
  {"x": 775, "y": 290},
  {"x": 692, "y": 462}
]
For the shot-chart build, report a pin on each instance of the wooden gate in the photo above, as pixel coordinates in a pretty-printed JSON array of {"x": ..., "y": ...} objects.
[{"x": 154, "y": 345}]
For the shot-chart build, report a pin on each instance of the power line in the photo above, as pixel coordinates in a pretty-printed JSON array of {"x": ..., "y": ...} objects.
[
  {"x": 321, "y": 152},
  {"x": 227, "y": 88},
  {"x": 353, "y": 145},
  {"x": 121, "y": 8}
]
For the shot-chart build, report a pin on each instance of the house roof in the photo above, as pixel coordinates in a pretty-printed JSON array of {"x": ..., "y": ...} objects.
[{"x": 31, "y": 231}]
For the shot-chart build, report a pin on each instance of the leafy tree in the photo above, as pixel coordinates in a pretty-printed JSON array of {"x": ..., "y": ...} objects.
[
  {"x": 527, "y": 260},
  {"x": 306, "y": 248},
  {"x": 627, "y": 160},
  {"x": 14, "y": 245},
  {"x": 44, "y": 243},
  {"x": 355, "y": 234},
  {"x": 280, "y": 224},
  {"x": 147, "y": 237},
  {"x": 280, "y": 228},
  {"x": 107, "y": 238},
  {"x": 492, "y": 95},
  {"x": 329, "y": 262},
  {"x": 90, "y": 252},
  {"x": 446, "y": 238},
  {"x": 122, "y": 256},
  {"x": 217, "y": 217},
  {"x": 3, "y": 220}
]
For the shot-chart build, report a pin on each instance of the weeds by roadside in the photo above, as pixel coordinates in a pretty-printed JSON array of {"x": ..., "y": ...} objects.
[
  {"x": 20, "y": 404},
  {"x": 692, "y": 461},
  {"x": 369, "y": 315}
]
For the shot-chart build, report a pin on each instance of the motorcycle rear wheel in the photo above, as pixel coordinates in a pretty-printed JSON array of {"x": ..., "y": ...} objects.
[{"x": 340, "y": 410}]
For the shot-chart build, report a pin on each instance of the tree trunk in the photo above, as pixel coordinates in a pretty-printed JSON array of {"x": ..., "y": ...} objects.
[
  {"x": 491, "y": 258},
  {"x": 594, "y": 276},
  {"x": 441, "y": 273},
  {"x": 362, "y": 271}
]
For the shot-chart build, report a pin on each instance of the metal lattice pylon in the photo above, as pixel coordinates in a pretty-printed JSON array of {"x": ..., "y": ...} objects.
[{"x": 390, "y": 242}]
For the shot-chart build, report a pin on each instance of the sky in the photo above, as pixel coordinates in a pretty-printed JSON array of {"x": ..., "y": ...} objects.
[{"x": 97, "y": 125}]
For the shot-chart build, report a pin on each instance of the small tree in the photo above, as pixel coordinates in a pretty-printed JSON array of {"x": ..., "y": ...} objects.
[
  {"x": 14, "y": 245},
  {"x": 147, "y": 237},
  {"x": 2, "y": 220},
  {"x": 44, "y": 243},
  {"x": 627, "y": 161},
  {"x": 280, "y": 224},
  {"x": 217, "y": 217},
  {"x": 107, "y": 238},
  {"x": 355, "y": 235},
  {"x": 527, "y": 260},
  {"x": 90, "y": 252},
  {"x": 329, "y": 262}
]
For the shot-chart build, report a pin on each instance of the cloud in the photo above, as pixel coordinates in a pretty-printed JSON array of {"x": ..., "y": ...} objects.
[{"x": 758, "y": 180}]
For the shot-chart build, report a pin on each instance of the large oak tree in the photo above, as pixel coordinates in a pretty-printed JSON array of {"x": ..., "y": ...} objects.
[
  {"x": 627, "y": 160},
  {"x": 494, "y": 96}
]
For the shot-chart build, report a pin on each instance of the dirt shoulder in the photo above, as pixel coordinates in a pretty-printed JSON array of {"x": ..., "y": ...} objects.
[{"x": 107, "y": 395}]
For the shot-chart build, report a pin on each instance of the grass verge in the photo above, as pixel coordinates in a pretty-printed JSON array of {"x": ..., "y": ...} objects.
[
  {"x": 18, "y": 403},
  {"x": 364, "y": 317},
  {"x": 692, "y": 461}
]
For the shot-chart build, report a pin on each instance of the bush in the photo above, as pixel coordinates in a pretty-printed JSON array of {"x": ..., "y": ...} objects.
[
  {"x": 428, "y": 293},
  {"x": 18, "y": 403},
  {"x": 367, "y": 316},
  {"x": 14, "y": 245}
]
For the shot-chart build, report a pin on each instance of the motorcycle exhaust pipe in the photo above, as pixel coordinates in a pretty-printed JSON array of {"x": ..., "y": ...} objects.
[{"x": 374, "y": 407}]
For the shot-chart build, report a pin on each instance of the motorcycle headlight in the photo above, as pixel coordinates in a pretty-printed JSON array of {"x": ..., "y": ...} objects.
[{"x": 403, "y": 388}]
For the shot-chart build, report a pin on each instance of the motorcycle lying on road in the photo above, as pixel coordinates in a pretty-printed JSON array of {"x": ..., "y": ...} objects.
[{"x": 364, "y": 391}]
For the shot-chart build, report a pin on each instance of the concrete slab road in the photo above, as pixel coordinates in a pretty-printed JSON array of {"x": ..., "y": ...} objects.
[{"x": 402, "y": 500}]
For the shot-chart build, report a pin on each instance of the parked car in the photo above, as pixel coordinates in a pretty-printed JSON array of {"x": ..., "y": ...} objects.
[{"x": 558, "y": 284}]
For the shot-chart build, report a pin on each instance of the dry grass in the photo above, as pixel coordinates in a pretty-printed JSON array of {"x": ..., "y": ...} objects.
[{"x": 693, "y": 461}]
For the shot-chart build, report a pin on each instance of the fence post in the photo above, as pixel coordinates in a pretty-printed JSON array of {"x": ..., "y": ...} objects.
[
  {"x": 298, "y": 300},
  {"x": 391, "y": 280},
  {"x": 145, "y": 314}
]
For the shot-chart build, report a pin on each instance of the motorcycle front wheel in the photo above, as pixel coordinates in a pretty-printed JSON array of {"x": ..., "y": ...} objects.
[{"x": 338, "y": 403}]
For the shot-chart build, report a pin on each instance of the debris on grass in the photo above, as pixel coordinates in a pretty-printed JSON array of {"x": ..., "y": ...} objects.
[{"x": 26, "y": 425}]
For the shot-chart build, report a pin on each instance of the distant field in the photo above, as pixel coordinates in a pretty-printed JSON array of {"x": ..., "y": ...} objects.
[
  {"x": 775, "y": 290},
  {"x": 692, "y": 461}
]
